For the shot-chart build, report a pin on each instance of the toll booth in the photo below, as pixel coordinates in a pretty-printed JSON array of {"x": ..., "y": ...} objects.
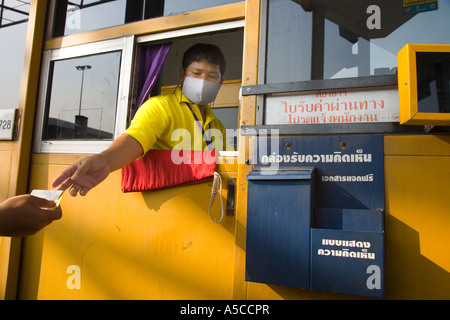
[{"x": 338, "y": 184}]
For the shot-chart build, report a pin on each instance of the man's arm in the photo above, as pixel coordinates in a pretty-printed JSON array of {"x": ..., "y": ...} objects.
[
  {"x": 85, "y": 174},
  {"x": 122, "y": 151}
]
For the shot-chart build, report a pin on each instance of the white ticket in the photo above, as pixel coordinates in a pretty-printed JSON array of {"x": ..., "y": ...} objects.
[{"x": 54, "y": 195}]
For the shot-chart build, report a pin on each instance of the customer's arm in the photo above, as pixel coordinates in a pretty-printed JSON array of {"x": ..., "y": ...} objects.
[{"x": 25, "y": 214}]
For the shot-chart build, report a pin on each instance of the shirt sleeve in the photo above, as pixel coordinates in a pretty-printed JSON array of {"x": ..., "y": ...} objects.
[{"x": 148, "y": 123}]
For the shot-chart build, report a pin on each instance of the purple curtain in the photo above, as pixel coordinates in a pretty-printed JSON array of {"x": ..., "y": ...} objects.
[{"x": 151, "y": 61}]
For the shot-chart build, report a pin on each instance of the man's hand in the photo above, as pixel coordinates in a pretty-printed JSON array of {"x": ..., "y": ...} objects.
[
  {"x": 83, "y": 175},
  {"x": 24, "y": 215}
]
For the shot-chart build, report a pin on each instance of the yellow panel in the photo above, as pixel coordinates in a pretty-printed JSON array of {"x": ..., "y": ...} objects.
[
  {"x": 150, "y": 245},
  {"x": 417, "y": 227},
  {"x": 408, "y": 109},
  {"x": 228, "y": 95},
  {"x": 429, "y": 145},
  {"x": 417, "y": 171}
]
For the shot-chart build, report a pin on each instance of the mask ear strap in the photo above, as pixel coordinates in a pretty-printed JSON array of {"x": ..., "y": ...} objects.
[{"x": 217, "y": 185}]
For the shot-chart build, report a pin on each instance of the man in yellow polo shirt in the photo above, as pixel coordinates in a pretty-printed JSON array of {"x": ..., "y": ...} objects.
[{"x": 173, "y": 121}]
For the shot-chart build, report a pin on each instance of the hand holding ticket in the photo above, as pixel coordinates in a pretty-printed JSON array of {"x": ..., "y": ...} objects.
[
  {"x": 26, "y": 214},
  {"x": 54, "y": 195}
]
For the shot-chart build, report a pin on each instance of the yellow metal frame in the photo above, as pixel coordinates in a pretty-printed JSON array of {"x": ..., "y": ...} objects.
[
  {"x": 17, "y": 153},
  {"x": 407, "y": 87}
]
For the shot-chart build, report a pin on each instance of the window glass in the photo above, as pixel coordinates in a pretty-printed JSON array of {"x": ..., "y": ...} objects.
[
  {"x": 433, "y": 81},
  {"x": 91, "y": 15},
  {"x": 82, "y": 98},
  {"x": 81, "y": 16},
  {"x": 176, "y": 6},
  {"x": 11, "y": 63},
  {"x": 328, "y": 39}
]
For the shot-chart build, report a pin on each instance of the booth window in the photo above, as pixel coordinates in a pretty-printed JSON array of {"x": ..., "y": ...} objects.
[
  {"x": 81, "y": 16},
  {"x": 433, "y": 81},
  {"x": 82, "y": 97},
  {"x": 328, "y": 39},
  {"x": 83, "y": 103},
  {"x": 226, "y": 104},
  {"x": 325, "y": 61}
]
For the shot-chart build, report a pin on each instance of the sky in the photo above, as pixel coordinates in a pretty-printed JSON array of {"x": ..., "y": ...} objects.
[{"x": 11, "y": 63}]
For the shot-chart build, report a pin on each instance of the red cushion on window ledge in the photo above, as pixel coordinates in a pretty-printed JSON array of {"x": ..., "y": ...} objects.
[{"x": 159, "y": 169}]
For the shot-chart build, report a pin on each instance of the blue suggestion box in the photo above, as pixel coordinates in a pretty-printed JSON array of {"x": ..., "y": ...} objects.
[{"x": 315, "y": 214}]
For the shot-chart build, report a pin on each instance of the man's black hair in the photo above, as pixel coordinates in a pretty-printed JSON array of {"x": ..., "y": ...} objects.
[{"x": 210, "y": 52}]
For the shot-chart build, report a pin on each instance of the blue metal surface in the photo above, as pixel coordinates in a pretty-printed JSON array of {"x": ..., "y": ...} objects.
[
  {"x": 348, "y": 262},
  {"x": 321, "y": 231},
  {"x": 278, "y": 228},
  {"x": 350, "y": 169}
]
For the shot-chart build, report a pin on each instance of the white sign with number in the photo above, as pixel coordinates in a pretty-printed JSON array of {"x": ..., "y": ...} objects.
[{"x": 7, "y": 117}]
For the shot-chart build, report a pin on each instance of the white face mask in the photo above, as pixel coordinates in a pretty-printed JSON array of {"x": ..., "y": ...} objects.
[{"x": 200, "y": 91}]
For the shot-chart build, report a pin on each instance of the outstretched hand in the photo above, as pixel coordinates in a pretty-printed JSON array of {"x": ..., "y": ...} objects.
[{"x": 83, "y": 175}]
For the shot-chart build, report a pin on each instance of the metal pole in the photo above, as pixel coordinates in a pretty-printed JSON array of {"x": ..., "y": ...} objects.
[{"x": 82, "y": 68}]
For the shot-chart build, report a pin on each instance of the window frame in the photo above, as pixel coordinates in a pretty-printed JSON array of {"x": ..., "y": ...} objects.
[
  {"x": 408, "y": 91},
  {"x": 124, "y": 44}
]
